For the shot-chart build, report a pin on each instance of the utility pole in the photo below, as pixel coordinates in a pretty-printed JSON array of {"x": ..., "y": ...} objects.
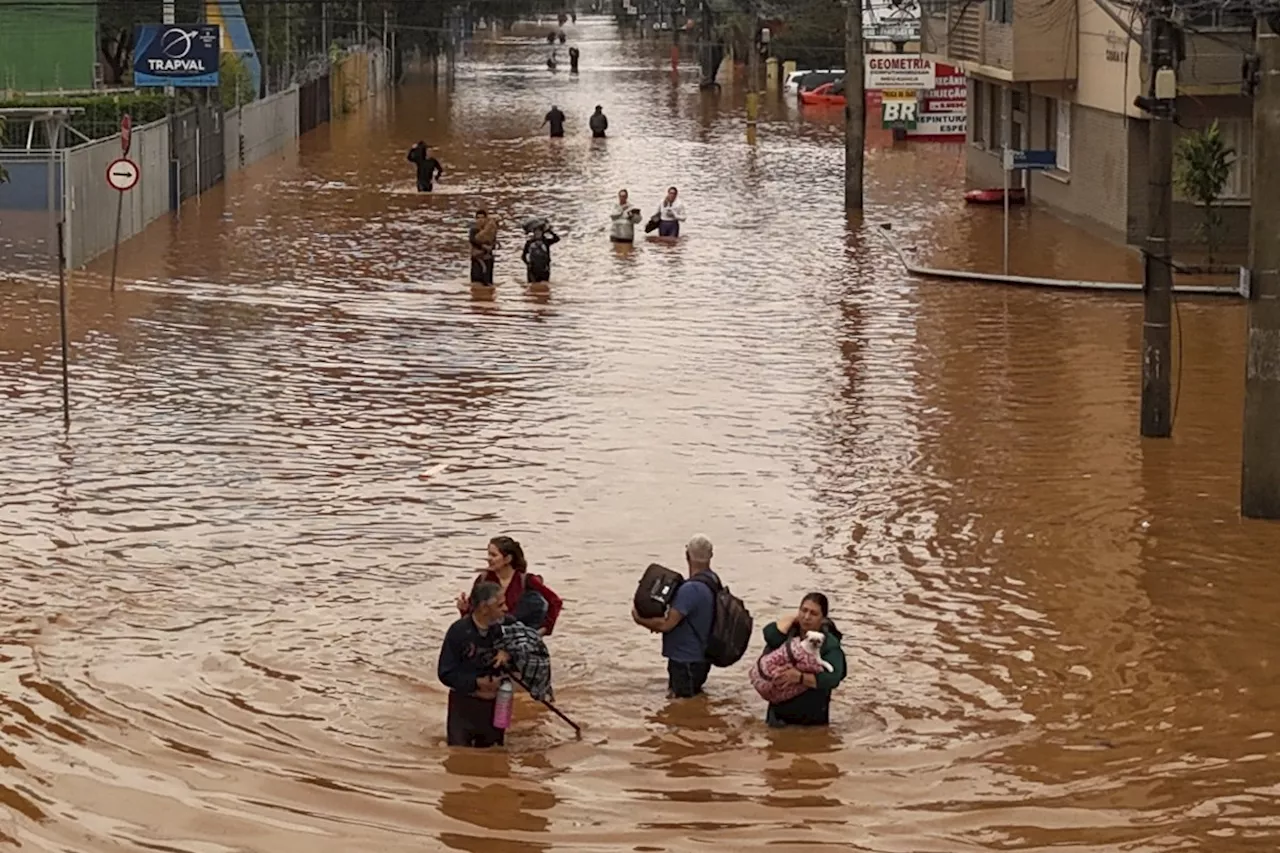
[
  {"x": 753, "y": 71},
  {"x": 1260, "y": 466},
  {"x": 324, "y": 29},
  {"x": 288, "y": 48},
  {"x": 1157, "y": 278},
  {"x": 266, "y": 49},
  {"x": 855, "y": 111}
]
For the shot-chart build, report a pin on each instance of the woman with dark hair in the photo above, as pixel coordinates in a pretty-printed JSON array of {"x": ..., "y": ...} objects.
[
  {"x": 528, "y": 599},
  {"x": 812, "y": 707}
]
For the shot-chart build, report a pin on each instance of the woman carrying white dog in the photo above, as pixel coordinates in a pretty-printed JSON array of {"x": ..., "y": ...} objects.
[{"x": 812, "y": 707}]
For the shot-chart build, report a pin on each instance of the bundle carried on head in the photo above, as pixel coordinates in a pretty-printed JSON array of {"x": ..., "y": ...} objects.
[
  {"x": 800, "y": 653},
  {"x": 534, "y": 223}
]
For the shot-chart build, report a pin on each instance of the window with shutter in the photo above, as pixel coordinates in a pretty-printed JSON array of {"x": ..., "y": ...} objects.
[{"x": 1063, "y": 146}]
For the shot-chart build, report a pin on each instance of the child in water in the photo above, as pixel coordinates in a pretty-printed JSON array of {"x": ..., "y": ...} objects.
[{"x": 537, "y": 250}]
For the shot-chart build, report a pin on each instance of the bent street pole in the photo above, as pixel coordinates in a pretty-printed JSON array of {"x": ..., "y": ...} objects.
[
  {"x": 1157, "y": 278},
  {"x": 1260, "y": 465},
  {"x": 855, "y": 110}
]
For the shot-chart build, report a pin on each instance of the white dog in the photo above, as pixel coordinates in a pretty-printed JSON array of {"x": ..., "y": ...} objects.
[{"x": 802, "y": 653}]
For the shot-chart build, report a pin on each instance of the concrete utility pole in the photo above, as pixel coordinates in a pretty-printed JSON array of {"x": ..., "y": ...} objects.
[
  {"x": 1260, "y": 466},
  {"x": 855, "y": 111},
  {"x": 1157, "y": 278},
  {"x": 753, "y": 71}
]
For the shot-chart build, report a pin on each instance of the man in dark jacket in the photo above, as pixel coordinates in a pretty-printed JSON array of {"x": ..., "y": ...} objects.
[
  {"x": 598, "y": 123},
  {"x": 470, "y": 667},
  {"x": 428, "y": 167},
  {"x": 812, "y": 707},
  {"x": 573, "y": 60},
  {"x": 555, "y": 118}
]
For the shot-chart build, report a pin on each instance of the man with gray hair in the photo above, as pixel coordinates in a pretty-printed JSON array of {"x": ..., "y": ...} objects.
[
  {"x": 470, "y": 668},
  {"x": 687, "y": 624}
]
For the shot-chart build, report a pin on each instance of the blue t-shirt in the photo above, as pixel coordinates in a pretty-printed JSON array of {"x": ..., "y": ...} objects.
[{"x": 695, "y": 600}]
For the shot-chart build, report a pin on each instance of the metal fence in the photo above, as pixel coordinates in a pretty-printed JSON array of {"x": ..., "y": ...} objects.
[
  {"x": 196, "y": 145},
  {"x": 313, "y": 104},
  {"x": 91, "y": 203}
]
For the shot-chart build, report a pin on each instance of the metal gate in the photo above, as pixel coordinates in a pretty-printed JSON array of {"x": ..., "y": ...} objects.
[
  {"x": 196, "y": 146},
  {"x": 313, "y": 104}
]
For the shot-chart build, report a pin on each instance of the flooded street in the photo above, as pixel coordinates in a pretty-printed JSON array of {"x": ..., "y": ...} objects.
[{"x": 224, "y": 591}]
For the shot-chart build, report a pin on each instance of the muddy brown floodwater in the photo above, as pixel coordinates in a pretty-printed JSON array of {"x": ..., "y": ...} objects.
[{"x": 223, "y": 592}]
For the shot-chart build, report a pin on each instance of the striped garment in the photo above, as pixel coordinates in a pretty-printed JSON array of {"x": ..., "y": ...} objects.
[{"x": 530, "y": 660}]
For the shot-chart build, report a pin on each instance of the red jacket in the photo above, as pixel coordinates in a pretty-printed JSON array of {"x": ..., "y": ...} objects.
[{"x": 516, "y": 589}]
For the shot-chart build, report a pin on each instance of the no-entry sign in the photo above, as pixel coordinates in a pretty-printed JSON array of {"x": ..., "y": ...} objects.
[{"x": 122, "y": 175}]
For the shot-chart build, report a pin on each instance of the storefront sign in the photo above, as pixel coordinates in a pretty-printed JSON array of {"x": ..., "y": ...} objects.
[{"x": 899, "y": 71}]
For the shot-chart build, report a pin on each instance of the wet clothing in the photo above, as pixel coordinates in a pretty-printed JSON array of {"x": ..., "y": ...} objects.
[
  {"x": 599, "y": 123},
  {"x": 686, "y": 680},
  {"x": 428, "y": 167},
  {"x": 669, "y": 218},
  {"x": 573, "y": 60},
  {"x": 522, "y": 599},
  {"x": 483, "y": 241},
  {"x": 812, "y": 707},
  {"x": 623, "y": 227},
  {"x": 537, "y": 256},
  {"x": 466, "y": 656},
  {"x": 555, "y": 118},
  {"x": 687, "y": 642},
  {"x": 470, "y": 722}
]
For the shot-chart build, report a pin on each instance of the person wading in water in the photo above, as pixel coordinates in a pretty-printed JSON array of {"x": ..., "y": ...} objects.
[
  {"x": 812, "y": 707},
  {"x": 555, "y": 118},
  {"x": 527, "y": 597},
  {"x": 429, "y": 170},
  {"x": 625, "y": 215},
  {"x": 598, "y": 123},
  {"x": 483, "y": 237},
  {"x": 537, "y": 250},
  {"x": 470, "y": 667},
  {"x": 670, "y": 214},
  {"x": 688, "y": 623}
]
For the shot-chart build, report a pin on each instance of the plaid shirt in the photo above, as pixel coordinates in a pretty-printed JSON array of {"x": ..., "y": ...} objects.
[{"x": 529, "y": 657}]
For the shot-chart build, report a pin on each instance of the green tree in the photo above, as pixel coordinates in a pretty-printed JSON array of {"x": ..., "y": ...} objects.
[
  {"x": 234, "y": 82},
  {"x": 1202, "y": 165}
]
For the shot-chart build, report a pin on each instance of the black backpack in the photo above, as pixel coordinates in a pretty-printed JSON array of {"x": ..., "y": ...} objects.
[{"x": 731, "y": 624}]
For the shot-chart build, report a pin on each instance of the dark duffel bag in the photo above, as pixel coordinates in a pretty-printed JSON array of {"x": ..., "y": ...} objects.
[{"x": 657, "y": 590}]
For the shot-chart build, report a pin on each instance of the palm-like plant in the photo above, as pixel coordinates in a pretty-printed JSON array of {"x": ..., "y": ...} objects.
[{"x": 1203, "y": 163}]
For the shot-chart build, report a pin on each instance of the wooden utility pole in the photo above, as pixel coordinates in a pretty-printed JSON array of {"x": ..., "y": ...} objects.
[
  {"x": 1260, "y": 466},
  {"x": 855, "y": 111},
  {"x": 1157, "y": 278}
]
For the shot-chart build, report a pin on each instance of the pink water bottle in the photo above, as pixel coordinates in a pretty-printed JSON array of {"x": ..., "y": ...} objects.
[{"x": 502, "y": 705}]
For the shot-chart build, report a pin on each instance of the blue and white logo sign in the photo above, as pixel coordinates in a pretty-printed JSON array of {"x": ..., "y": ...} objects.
[{"x": 176, "y": 55}]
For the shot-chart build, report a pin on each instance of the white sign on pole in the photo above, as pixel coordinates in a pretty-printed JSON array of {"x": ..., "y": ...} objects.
[
  {"x": 122, "y": 175},
  {"x": 899, "y": 71}
]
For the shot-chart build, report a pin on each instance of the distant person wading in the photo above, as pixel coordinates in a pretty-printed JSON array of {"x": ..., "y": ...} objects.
[
  {"x": 429, "y": 170},
  {"x": 483, "y": 236},
  {"x": 624, "y": 216},
  {"x": 555, "y": 118},
  {"x": 598, "y": 123},
  {"x": 670, "y": 214}
]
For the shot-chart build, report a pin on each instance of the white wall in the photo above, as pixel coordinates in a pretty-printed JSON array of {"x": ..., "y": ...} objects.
[
  {"x": 91, "y": 202},
  {"x": 261, "y": 128}
]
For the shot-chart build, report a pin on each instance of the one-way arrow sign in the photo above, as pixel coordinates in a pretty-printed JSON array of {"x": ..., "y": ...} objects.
[{"x": 122, "y": 175}]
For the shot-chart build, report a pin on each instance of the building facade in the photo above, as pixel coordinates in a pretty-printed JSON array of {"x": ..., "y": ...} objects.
[{"x": 1062, "y": 75}]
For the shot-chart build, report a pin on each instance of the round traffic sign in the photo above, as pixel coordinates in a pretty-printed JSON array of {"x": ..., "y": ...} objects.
[{"x": 122, "y": 175}]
